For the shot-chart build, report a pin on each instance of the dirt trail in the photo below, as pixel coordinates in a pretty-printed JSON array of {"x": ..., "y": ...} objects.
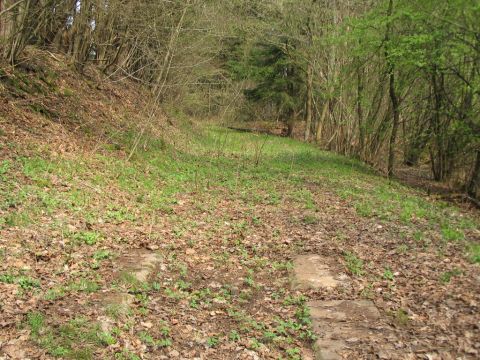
[{"x": 338, "y": 324}]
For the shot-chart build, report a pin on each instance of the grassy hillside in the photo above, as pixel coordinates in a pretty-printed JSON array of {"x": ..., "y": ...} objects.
[{"x": 227, "y": 211}]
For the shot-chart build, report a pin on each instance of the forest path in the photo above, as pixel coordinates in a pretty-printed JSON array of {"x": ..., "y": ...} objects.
[
  {"x": 338, "y": 324},
  {"x": 249, "y": 247}
]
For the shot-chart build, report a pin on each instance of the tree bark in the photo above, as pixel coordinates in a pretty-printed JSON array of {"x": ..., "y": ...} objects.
[
  {"x": 361, "y": 126},
  {"x": 474, "y": 182},
  {"x": 320, "y": 122},
  {"x": 393, "y": 97},
  {"x": 309, "y": 107}
]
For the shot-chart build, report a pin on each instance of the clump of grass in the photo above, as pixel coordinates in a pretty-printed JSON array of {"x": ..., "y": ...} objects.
[
  {"x": 474, "y": 253},
  {"x": 88, "y": 237},
  {"x": 24, "y": 282},
  {"x": 76, "y": 339},
  {"x": 388, "y": 274},
  {"x": 310, "y": 219},
  {"x": 447, "y": 276},
  {"x": 102, "y": 255},
  {"x": 451, "y": 234},
  {"x": 213, "y": 341},
  {"x": 354, "y": 264},
  {"x": 401, "y": 317}
]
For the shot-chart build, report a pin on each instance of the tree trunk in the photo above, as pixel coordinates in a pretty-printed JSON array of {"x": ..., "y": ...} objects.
[
  {"x": 320, "y": 122},
  {"x": 396, "y": 122},
  {"x": 393, "y": 96},
  {"x": 474, "y": 182},
  {"x": 361, "y": 126},
  {"x": 290, "y": 127},
  {"x": 309, "y": 109}
]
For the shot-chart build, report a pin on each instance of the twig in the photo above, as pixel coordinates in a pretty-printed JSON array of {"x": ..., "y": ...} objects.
[{"x": 11, "y": 7}]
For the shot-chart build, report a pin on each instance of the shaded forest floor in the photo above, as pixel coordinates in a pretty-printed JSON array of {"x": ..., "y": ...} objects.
[{"x": 226, "y": 212}]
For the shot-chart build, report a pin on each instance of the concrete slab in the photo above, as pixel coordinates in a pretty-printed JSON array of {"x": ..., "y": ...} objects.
[
  {"x": 338, "y": 324},
  {"x": 313, "y": 272}
]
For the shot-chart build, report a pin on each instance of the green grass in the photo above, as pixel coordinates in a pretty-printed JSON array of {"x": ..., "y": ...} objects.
[
  {"x": 215, "y": 159},
  {"x": 474, "y": 253},
  {"x": 447, "y": 276},
  {"x": 24, "y": 282},
  {"x": 354, "y": 264},
  {"x": 88, "y": 237},
  {"x": 75, "y": 339},
  {"x": 215, "y": 164}
]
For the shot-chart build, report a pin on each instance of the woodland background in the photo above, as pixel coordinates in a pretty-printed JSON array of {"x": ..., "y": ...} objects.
[{"x": 390, "y": 82}]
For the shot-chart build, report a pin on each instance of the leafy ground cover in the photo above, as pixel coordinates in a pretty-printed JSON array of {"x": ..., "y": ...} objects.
[{"x": 227, "y": 211}]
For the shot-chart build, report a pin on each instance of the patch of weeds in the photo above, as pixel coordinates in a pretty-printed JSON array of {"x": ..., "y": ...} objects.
[
  {"x": 107, "y": 339},
  {"x": 234, "y": 336},
  {"x": 474, "y": 253},
  {"x": 4, "y": 168},
  {"x": 28, "y": 283},
  {"x": 84, "y": 285},
  {"x": 249, "y": 280},
  {"x": 102, "y": 255},
  {"x": 240, "y": 227},
  {"x": 164, "y": 343},
  {"x": 126, "y": 355},
  {"x": 294, "y": 354},
  {"x": 354, "y": 264},
  {"x": 78, "y": 199},
  {"x": 7, "y": 278},
  {"x": 200, "y": 297},
  {"x": 55, "y": 293},
  {"x": 401, "y": 317},
  {"x": 49, "y": 202},
  {"x": 305, "y": 197},
  {"x": 183, "y": 285},
  {"x": 67, "y": 92},
  {"x": 388, "y": 274},
  {"x": 173, "y": 293},
  {"x": 118, "y": 216},
  {"x": 164, "y": 329},
  {"x": 182, "y": 269},
  {"x": 448, "y": 275},
  {"x": 310, "y": 219},
  {"x": 35, "y": 322},
  {"x": 364, "y": 209},
  {"x": 156, "y": 286},
  {"x": 133, "y": 285},
  {"x": 256, "y": 220},
  {"x": 450, "y": 234},
  {"x": 418, "y": 236},
  {"x": 116, "y": 311},
  {"x": 269, "y": 336},
  {"x": 302, "y": 314},
  {"x": 273, "y": 198},
  {"x": 77, "y": 339},
  {"x": 41, "y": 109},
  {"x": 24, "y": 282},
  {"x": 19, "y": 218},
  {"x": 367, "y": 292},
  {"x": 88, "y": 237},
  {"x": 178, "y": 232},
  {"x": 146, "y": 338},
  {"x": 402, "y": 249},
  {"x": 254, "y": 344},
  {"x": 213, "y": 341},
  {"x": 295, "y": 300},
  {"x": 282, "y": 266}
]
